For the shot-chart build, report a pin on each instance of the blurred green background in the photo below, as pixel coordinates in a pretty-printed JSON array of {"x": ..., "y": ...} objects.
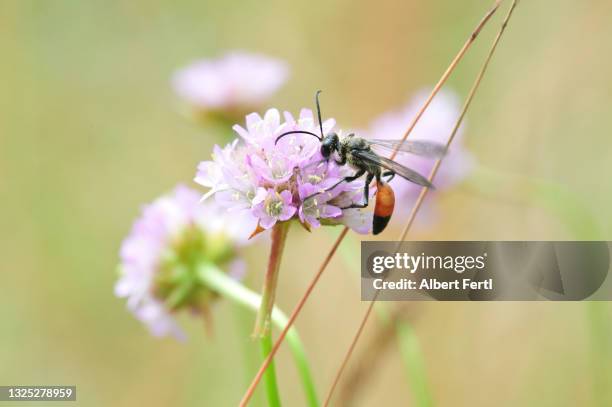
[{"x": 90, "y": 130}]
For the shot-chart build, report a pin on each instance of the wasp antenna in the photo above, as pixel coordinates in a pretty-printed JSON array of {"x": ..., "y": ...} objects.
[
  {"x": 296, "y": 132},
  {"x": 319, "y": 112}
]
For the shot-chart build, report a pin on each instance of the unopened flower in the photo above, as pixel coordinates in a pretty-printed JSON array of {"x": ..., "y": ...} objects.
[
  {"x": 278, "y": 181},
  {"x": 160, "y": 256},
  {"x": 436, "y": 124},
  {"x": 231, "y": 85}
]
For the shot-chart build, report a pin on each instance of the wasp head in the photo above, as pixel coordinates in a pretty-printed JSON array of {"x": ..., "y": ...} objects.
[{"x": 329, "y": 144}]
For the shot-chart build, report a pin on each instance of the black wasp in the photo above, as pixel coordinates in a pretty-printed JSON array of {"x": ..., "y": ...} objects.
[{"x": 358, "y": 153}]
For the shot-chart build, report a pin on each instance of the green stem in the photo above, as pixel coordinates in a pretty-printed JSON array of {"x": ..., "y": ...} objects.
[
  {"x": 270, "y": 375},
  {"x": 262, "y": 321},
  {"x": 223, "y": 284},
  {"x": 279, "y": 236},
  {"x": 244, "y": 318}
]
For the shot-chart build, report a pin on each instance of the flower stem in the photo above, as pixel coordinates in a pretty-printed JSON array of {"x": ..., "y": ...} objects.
[
  {"x": 279, "y": 236},
  {"x": 223, "y": 284},
  {"x": 262, "y": 322},
  {"x": 270, "y": 376},
  {"x": 243, "y": 318}
]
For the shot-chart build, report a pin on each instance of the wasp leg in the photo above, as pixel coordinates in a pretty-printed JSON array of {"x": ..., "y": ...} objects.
[
  {"x": 366, "y": 194},
  {"x": 351, "y": 178},
  {"x": 390, "y": 174}
]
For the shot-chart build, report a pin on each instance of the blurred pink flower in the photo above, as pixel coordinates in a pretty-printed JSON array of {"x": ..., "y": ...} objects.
[
  {"x": 167, "y": 229},
  {"x": 235, "y": 82},
  {"x": 279, "y": 181},
  {"x": 436, "y": 124}
]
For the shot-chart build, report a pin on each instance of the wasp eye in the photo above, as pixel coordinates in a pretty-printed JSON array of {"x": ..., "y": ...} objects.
[{"x": 325, "y": 151}]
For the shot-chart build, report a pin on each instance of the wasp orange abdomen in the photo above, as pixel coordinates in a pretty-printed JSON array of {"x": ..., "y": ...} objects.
[{"x": 385, "y": 202}]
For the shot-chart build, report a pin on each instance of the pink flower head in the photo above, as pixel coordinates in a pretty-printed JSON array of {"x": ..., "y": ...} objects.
[
  {"x": 278, "y": 181},
  {"x": 237, "y": 81},
  {"x": 153, "y": 250},
  {"x": 436, "y": 124}
]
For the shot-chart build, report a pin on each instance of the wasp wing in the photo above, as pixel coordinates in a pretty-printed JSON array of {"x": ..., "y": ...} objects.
[
  {"x": 423, "y": 148},
  {"x": 404, "y": 172}
]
